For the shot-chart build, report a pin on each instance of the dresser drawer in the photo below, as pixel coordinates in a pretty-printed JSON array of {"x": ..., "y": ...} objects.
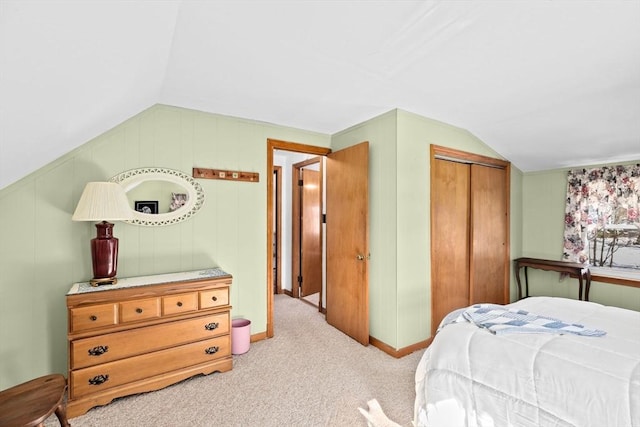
[
  {"x": 142, "y": 309},
  {"x": 118, "y": 345},
  {"x": 214, "y": 298},
  {"x": 98, "y": 378},
  {"x": 176, "y": 304},
  {"x": 91, "y": 317}
]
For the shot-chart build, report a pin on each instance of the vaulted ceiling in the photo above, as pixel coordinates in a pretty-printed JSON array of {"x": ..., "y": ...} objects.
[{"x": 547, "y": 84}]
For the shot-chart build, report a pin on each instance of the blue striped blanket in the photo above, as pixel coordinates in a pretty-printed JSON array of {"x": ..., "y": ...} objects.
[{"x": 499, "y": 320}]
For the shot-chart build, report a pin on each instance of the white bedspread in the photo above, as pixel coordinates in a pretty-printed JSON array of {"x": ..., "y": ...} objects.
[{"x": 471, "y": 377}]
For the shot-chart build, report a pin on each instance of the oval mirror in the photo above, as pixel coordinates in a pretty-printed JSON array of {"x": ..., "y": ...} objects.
[{"x": 160, "y": 196}]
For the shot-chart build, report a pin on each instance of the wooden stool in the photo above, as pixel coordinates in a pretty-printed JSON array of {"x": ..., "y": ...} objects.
[{"x": 30, "y": 403}]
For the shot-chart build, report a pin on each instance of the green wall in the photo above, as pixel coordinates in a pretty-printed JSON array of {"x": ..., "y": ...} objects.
[
  {"x": 43, "y": 252},
  {"x": 399, "y": 270},
  {"x": 544, "y": 195},
  {"x": 382, "y": 136},
  {"x": 415, "y": 135}
]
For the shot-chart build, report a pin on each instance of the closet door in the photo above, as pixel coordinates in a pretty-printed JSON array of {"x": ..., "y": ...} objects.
[
  {"x": 449, "y": 238},
  {"x": 488, "y": 241},
  {"x": 469, "y": 231}
]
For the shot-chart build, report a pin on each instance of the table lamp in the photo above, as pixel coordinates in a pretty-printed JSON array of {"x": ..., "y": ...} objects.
[{"x": 103, "y": 201}]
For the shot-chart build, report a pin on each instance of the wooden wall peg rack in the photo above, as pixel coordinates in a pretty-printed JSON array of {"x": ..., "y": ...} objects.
[{"x": 205, "y": 173}]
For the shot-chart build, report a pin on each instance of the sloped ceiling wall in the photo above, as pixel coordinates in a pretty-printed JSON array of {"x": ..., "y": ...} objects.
[
  {"x": 72, "y": 70},
  {"x": 547, "y": 84}
]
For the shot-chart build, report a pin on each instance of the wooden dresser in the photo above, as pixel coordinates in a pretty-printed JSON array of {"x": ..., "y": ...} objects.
[{"x": 145, "y": 333}]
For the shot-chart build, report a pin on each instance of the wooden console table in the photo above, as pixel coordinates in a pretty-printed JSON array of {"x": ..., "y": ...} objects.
[{"x": 580, "y": 271}]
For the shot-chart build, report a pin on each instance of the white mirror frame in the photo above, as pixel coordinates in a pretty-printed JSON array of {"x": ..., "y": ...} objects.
[{"x": 134, "y": 177}]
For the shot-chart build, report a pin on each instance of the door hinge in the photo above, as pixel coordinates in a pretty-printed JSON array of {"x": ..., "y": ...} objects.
[
  {"x": 299, "y": 280},
  {"x": 300, "y": 183},
  {"x": 324, "y": 218}
]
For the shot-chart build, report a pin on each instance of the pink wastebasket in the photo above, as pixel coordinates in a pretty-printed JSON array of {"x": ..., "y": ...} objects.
[{"x": 240, "y": 336}]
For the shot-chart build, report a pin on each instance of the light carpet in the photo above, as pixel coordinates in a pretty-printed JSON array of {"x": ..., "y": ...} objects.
[{"x": 309, "y": 374}]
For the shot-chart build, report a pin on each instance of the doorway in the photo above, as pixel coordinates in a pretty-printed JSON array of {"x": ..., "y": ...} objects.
[
  {"x": 292, "y": 149},
  {"x": 347, "y": 237}
]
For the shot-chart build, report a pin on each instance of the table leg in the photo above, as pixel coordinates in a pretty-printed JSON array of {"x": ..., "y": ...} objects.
[
  {"x": 526, "y": 282},
  {"x": 61, "y": 413},
  {"x": 580, "y": 288},
  {"x": 587, "y": 285},
  {"x": 518, "y": 281}
]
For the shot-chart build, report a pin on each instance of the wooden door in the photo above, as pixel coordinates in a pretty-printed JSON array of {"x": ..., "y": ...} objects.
[
  {"x": 277, "y": 229},
  {"x": 469, "y": 231},
  {"x": 449, "y": 238},
  {"x": 347, "y": 229},
  {"x": 489, "y": 217},
  {"x": 310, "y": 234}
]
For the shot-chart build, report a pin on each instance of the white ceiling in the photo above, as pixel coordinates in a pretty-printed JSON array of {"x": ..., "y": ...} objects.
[{"x": 547, "y": 84}]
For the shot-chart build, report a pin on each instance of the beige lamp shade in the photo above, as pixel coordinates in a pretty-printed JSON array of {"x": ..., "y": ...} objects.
[{"x": 103, "y": 201}]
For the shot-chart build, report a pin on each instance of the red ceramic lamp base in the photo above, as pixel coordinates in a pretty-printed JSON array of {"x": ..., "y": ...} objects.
[{"x": 104, "y": 254}]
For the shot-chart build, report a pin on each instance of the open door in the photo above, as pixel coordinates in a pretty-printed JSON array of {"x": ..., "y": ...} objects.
[
  {"x": 311, "y": 237},
  {"x": 277, "y": 230},
  {"x": 347, "y": 207},
  {"x": 306, "y": 219}
]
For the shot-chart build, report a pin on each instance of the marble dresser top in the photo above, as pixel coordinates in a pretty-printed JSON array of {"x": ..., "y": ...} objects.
[{"x": 131, "y": 282}]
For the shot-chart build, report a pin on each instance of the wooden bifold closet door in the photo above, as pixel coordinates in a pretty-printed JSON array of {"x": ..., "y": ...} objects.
[
  {"x": 469, "y": 231},
  {"x": 449, "y": 238},
  {"x": 488, "y": 236}
]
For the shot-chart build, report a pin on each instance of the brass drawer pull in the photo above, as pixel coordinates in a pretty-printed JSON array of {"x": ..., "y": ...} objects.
[
  {"x": 214, "y": 298},
  {"x": 211, "y": 326},
  {"x": 99, "y": 350},
  {"x": 212, "y": 350},
  {"x": 93, "y": 318},
  {"x": 179, "y": 303},
  {"x": 138, "y": 310},
  {"x": 99, "y": 379}
]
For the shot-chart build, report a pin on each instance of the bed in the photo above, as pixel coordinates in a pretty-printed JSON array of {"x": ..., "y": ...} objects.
[{"x": 470, "y": 376}]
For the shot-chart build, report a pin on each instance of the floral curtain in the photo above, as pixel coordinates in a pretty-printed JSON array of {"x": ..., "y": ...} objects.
[{"x": 602, "y": 216}]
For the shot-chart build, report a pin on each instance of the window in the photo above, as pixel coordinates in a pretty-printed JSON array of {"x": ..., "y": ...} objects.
[{"x": 602, "y": 223}]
